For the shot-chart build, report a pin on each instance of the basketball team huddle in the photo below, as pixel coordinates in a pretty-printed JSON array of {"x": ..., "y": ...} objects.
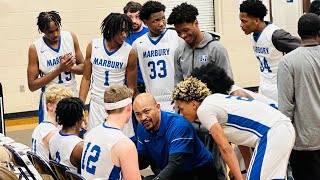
[{"x": 165, "y": 98}]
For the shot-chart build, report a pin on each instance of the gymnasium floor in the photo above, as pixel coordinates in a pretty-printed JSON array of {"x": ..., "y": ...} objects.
[{"x": 21, "y": 129}]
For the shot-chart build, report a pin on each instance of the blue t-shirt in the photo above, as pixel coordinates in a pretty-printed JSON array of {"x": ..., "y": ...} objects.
[
  {"x": 175, "y": 135},
  {"x": 130, "y": 40}
]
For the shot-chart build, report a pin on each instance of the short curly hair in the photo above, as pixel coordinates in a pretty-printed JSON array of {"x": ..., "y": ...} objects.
[
  {"x": 309, "y": 26},
  {"x": 191, "y": 89},
  {"x": 149, "y": 8},
  {"x": 314, "y": 7},
  {"x": 254, "y": 8},
  {"x": 183, "y": 13},
  {"x": 215, "y": 77}
]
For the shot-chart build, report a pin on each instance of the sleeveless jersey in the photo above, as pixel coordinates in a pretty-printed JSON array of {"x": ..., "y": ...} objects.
[
  {"x": 156, "y": 60},
  {"x": 96, "y": 158},
  {"x": 247, "y": 120},
  {"x": 255, "y": 96},
  {"x": 61, "y": 146},
  {"x": 40, "y": 132},
  {"x": 49, "y": 59},
  {"x": 108, "y": 68},
  {"x": 268, "y": 57}
]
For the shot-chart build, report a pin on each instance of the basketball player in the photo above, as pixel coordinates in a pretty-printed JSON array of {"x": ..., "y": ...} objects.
[
  {"x": 46, "y": 129},
  {"x": 66, "y": 145},
  {"x": 109, "y": 61},
  {"x": 218, "y": 81},
  {"x": 111, "y": 155},
  {"x": 241, "y": 121},
  {"x": 199, "y": 48},
  {"x": 270, "y": 43},
  {"x": 55, "y": 57},
  {"x": 155, "y": 51}
]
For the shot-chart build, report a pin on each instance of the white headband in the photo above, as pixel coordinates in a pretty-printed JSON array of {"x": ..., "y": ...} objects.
[{"x": 117, "y": 105}]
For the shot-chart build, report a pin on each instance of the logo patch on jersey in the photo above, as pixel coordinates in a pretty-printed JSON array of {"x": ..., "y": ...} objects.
[
  {"x": 203, "y": 58},
  {"x": 42, "y": 51},
  {"x": 146, "y": 140},
  {"x": 96, "y": 47}
]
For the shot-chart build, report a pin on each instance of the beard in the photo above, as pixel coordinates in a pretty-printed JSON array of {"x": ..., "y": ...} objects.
[{"x": 136, "y": 27}]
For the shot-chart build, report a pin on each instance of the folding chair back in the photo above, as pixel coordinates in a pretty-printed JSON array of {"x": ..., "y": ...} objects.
[
  {"x": 71, "y": 175},
  {"x": 42, "y": 166},
  {"x": 59, "y": 169},
  {"x": 18, "y": 161}
]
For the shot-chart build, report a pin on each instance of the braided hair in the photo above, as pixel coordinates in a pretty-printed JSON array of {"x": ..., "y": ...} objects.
[
  {"x": 69, "y": 112},
  {"x": 114, "y": 24},
  {"x": 45, "y": 18}
]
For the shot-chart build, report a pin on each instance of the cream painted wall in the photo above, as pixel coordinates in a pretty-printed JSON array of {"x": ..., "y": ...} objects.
[
  {"x": 286, "y": 15},
  {"x": 244, "y": 64},
  {"x": 18, "y": 30}
]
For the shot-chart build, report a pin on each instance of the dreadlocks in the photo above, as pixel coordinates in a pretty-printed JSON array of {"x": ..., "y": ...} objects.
[
  {"x": 114, "y": 24},
  {"x": 45, "y": 18},
  {"x": 69, "y": 111}
]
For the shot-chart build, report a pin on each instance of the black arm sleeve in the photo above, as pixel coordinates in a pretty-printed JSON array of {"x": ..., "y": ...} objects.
[
  {"x": 175, "y": 165},
  {"x": 283, "y": 41},
  {"x": 144, "y": 161}
]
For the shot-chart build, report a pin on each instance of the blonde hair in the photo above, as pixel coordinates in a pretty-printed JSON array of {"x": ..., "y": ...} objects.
[
  {"x": 191, "y": 89},
  {"x": 6, "y": 174},
  {"x": 117, "y": 93},
  {"x": 56, "y": 92},
  {"x": 5, "y": 155}
]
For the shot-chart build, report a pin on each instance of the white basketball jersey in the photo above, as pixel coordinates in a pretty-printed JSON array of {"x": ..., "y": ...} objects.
[
  {"x": 248, "y": 120},
  {"x": 255, "y": 96},
  {"x": 40, "y": 132},
  {"x": 268, "y": 57},
  {"x": 156, "y": 60},
  {"x": 96, "y": 158},
  {"x": 49, "y": 59},
  {"x": 108, "y": 68},
  {"x": 61, "y": 146}
]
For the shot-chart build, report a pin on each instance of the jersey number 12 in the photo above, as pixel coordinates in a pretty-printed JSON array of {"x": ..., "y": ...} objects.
[{"x": 94, "y": 156}]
